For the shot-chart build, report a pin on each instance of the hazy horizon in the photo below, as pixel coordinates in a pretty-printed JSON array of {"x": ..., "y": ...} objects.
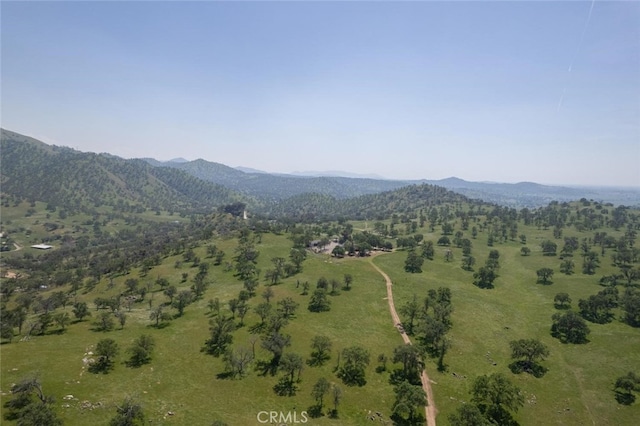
[{"x": 544, "y": 92}]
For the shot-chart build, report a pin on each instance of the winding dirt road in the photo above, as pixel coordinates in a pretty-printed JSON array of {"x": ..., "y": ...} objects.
[{"x": 430, "y": 408}]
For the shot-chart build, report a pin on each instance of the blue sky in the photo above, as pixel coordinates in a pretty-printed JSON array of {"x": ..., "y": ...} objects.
[{"x": 490, "y": 91}]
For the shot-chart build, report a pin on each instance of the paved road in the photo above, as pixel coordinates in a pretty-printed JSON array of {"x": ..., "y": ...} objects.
[{"x": 430, "y": 408}]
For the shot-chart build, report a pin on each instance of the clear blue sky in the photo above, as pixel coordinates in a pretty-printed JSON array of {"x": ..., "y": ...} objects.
[{"x": 498, "y": 91}]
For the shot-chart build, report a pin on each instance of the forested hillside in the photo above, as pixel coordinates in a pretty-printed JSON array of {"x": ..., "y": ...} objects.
[
  {"x": 44, "y": 172},
  {"x": 321, "y": 207},
  {"x": 78, "y": 182},
  {"x": 278, "y": 187}
]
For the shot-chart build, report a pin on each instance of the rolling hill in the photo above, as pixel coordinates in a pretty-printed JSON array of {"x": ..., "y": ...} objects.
[
  {"x": 275, "y": 187},
  {"x": 80, "y": 181}
]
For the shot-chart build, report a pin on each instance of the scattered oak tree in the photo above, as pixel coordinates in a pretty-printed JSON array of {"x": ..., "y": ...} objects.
[
  {"x": 352, "y": 371},
  {"x": 485, "y": 277},
  {"x": 220, "y": 328},
  {"x": 527, "y": 353},
  {"x": 562, "y": 300},
  {"x": 468, "y": 415},
  {"x": 289, "y": 364},
  {"x": 545, "y": 275},
  {"x": 320, "y": 350},
  {"x": 319, "y": 301},
  {"x": 30, "y": 406},
  {"x": 129, "y": 413},
  {"x": 106, "y": 350},
  {"x": 413, "y": 263},
  {"x": 569, "y": 328},
  {"x": 410, "y": 399},
  {"x": 628, "y": 383},
  {"x": 496, "y": 397},
  {"x": 141, "y": 350}
]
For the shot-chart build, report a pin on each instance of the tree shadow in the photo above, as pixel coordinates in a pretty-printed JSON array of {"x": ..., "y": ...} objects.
[
  {"x": 536, "y": 370},
  {"x": 160, "y": 326},
  {"x": 563, "y": 338},
  {"x": 317, "y": 359},
  {"x": 561, "y": 307},
  {"x": 397, "y": 376},
  {"x": 501, "y": 416},
  {"x": 398, "y": 420},
  {"x": 484, "y": 286},
  {"x": 96, "y": 330},
  {"x": 136, "y": 363},
  {"x": 285, "y": 387},
  {"x": 257, "y": 328},
  {"x": 100, "y": 366},
  {"x": 14, "y": 406},
  {"x": 11, "y": 415},
  {"x": 352, "y": 377},
  {"x": 625, "y": 398},
  {"x": 267, "y": 367},
  {"x": 315, "y": 411},
  {"x": 226, "y": 375}
]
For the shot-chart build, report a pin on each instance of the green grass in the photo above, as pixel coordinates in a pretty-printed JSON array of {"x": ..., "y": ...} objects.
[
  {"x": 576, "y": 390},
  {"x": 182, "y": 379}
]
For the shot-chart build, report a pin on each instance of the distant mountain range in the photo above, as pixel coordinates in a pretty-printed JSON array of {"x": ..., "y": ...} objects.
[
  {"x": 35, "y": 170},
  {"x": 335, "y": 173},
  {"x": 274, "y": 186}
]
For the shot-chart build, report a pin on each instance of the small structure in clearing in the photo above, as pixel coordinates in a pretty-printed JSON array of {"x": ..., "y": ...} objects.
[{"x": 41, "y": 246}]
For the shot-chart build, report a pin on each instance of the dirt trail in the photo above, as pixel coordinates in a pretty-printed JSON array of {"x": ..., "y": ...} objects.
[{"x": 430, "y": 408}]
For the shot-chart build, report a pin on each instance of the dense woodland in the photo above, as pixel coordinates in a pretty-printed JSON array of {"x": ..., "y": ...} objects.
[{"x": 282, "y": 302}]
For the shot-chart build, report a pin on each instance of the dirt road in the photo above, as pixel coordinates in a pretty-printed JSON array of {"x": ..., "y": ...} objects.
[{"x": 430, "y": 408}]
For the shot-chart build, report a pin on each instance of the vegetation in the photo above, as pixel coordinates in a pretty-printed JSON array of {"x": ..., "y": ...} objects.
[
  {"x": 30, "y": 406},
  {"x": 570, "y": 328},
  {"x": 496, "y": 397},
  {"x": 409, "y": 401},
  {"x": 136, "y": 279},
  {"x": 129, "y": 413},
  {"x": 527, "y": 353},
  {"x": 355, "y": 359},
  {"x": 625, "y": 386}
]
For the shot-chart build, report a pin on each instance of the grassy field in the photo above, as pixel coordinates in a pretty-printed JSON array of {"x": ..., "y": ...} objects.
[
  {"x": 181, "y": 379},
  {"x": 577, "y": 389}
]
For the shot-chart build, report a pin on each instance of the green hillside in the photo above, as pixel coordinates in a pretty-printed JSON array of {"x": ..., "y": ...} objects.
[
  {"x": 271, "y": 187},
  {"x": 78, "y": 182}
]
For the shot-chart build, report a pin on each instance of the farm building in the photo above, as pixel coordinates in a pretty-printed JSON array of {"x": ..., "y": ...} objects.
[{"x": 41, "y": 246}]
